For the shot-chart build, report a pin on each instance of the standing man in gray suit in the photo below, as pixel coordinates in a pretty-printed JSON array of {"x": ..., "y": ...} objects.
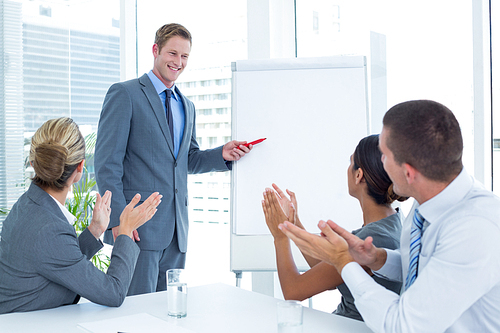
[{"x": 146, "y": 142}]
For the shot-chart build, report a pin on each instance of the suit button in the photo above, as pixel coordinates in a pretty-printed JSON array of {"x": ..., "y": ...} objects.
[
  {"x": 176, "y": 190},
  {"x": 175, "y": 165}
]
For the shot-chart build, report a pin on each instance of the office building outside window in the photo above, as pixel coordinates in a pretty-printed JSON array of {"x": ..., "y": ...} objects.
[{"x": 55, "y": 64}]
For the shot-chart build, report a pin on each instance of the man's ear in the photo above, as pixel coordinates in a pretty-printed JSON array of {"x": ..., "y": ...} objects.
[
  {"x": 155, "y": 50},
  {"x": 411, "y": 173}
]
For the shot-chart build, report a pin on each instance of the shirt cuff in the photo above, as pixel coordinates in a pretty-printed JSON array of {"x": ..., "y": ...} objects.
[
  {"x": 371, "y": 299},
  {"x": 354, "y": 275},
  {"x": 392, "y": 267}
]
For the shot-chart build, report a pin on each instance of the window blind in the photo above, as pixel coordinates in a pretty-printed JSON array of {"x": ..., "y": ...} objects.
[{"x": 11, "y": 105}]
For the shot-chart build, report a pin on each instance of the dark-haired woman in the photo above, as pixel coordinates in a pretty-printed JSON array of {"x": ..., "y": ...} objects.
[
  {"x": 369, "y": 183},
  {"x": 43, "y": 264}
]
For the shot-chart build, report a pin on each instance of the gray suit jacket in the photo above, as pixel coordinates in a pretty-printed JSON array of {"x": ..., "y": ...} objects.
[
  {"x": 43, "y": 264},
  {"x": 134, "y": 154}
]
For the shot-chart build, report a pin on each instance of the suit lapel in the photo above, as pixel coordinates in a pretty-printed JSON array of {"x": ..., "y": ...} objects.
[
  {"x": 158, "y": 110},
  {"x": 188, "y": 123}
]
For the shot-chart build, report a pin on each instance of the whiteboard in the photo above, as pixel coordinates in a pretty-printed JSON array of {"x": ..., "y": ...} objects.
[{"x": 313, "y": 112}]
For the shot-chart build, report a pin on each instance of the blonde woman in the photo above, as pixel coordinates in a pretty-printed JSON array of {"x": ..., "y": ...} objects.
[{"x": 43, "y": 264}]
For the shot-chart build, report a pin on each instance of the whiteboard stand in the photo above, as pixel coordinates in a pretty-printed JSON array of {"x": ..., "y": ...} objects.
[{"x": 239, "y": 275}]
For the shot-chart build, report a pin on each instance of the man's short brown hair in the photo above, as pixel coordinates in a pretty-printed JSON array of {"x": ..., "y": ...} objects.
[
  {"x": 170, "y": 30},
  {"x": 426, "y": 135}
]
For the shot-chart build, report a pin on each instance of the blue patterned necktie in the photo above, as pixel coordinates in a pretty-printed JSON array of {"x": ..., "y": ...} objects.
[
  {"x": 415, "y": 246},
  {"x": 170, "y": 121}
]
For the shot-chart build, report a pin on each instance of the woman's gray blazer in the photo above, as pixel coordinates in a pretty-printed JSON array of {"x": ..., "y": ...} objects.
[{"x": 43, "y": 264}]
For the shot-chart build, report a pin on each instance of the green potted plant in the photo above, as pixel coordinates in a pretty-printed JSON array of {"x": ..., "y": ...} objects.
[{"x": 81, "y": 203}]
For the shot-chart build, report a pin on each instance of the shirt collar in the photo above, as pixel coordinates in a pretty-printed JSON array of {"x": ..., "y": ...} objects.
[
  {"x": 432, "y": 209},
  {"x": 70, "y": 217},
  {"x": 160, "y": 86}
]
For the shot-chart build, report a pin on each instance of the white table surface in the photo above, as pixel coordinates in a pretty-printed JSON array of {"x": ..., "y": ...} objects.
[{"x": 211, "y": 308}]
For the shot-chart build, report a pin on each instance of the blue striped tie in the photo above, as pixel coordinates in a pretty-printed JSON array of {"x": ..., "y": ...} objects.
[{"x": 416, "y": 234}]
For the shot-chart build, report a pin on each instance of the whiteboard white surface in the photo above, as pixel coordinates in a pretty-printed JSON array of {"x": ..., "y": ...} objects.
[{"x": 313, "y": 112}]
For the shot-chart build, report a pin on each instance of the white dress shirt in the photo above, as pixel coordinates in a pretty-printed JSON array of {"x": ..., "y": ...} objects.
[
  {"x": 70, "y": 217},
  {"x": 177, "y": 108},
  {"x": 458, "y": 284}
]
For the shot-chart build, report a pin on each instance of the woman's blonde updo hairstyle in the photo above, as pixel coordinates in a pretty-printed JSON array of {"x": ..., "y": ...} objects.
[{"x": 57, "y": 148}]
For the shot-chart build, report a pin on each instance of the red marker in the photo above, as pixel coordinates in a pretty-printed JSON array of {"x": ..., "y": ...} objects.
[{"x": 254, "y": 142}]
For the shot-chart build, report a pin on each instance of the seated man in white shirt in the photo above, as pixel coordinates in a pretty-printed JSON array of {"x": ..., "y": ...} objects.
[{"x": 451, "y": 268}]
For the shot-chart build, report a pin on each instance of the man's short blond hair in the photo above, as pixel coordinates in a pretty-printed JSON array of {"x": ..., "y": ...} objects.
[{"x": 170, "y": 30}]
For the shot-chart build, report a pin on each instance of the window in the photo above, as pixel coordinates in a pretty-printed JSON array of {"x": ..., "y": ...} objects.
[
  {"x": 45, "y": 11},
  {"x": 418, "y": 61},
  {"x": 208, "y": 73},
  {"x": 204, "y": 112},
  {"x": 222, "y": 111},
  {"x": 212, "y": 141},
  {"x": 495, "y": 49},
  {"x": 52, "y": 66},
  {"x": 222, "y": 82},
  {"x": 221, "y": 97}
]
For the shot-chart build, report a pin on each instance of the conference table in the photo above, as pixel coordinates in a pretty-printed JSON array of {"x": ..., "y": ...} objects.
[{"x": 211, "y": 308}]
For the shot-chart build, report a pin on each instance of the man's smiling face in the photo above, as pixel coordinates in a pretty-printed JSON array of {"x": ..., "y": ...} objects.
[{"x": 171, "y": 60}]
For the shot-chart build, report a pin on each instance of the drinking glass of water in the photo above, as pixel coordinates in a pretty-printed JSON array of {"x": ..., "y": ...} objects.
[
  {"x": 289, "y": 317},
  {"x": 177, "y": 293}
]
